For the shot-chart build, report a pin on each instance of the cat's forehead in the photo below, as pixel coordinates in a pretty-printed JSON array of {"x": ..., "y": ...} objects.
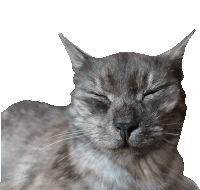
[
  {"x": 126, "y": 64},
  {"x": 126, "y": 70}
]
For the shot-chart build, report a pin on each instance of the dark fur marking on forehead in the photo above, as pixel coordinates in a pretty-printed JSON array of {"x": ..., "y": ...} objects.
[
  {"x": 111, "y": 79},
  {"x": 136, "y": 81},
  {"x": 124, "y": 57},
  {"x": 109, "y": 84},
  {"x": 132, "y": 85},
  {"x": 158, "y": 62}
]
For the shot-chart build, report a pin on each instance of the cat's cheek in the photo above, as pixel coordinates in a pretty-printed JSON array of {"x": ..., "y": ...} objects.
[
  {"x": 82, "y": 108},
  {"x": 162, "y": 105},
  {"x": 168, "y": 106}
]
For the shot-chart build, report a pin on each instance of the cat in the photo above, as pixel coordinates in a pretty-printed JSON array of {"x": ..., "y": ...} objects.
[{"x": 120, "y": 131}]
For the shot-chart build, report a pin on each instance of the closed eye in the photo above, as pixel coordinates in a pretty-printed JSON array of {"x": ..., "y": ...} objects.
[
  {"x": 150, "y": 93},
  {"x": 100, "y": 97},
  {"x": 154, "y": 91}
]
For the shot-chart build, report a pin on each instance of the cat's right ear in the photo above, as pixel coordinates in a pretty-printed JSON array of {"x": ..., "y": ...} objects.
[
  {"x": 177, "y": 51},
  {"x": 77, "y": 56}
]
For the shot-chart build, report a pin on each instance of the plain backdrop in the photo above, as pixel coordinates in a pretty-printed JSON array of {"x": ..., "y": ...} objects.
[{"x": 35, "y": 65}]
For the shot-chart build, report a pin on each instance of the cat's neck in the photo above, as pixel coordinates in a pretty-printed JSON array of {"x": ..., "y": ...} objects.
[{"x": 108, "y": 169}]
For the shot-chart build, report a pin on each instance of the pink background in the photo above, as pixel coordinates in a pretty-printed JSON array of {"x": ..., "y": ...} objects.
[{"x": 35, "y": 65}]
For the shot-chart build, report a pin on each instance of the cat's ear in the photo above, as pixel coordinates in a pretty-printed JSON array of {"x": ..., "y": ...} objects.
[
  {"x": 177, "y": 51},
  {"x": 77, "y": 56},
  {"x": 174, "y": 56}
]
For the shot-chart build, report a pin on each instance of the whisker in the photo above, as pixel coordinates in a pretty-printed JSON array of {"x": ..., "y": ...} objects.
[
  {"x": 177, "y": 128},
  {"x": 173, "y": 124},
  {"x": 33, "y": 148},
  {"x": 37, "y": 145},
  {"x": 68, "y": 155},
  {"x": 76, "y": 156},
  {"x": 63, "y": 140},
  {"x": 164, "y": 120},
  {"x": 85, "y": 122},
  {"x": 173, "y": 134},
  {"x": 73, "y": 152},
  {"x": 169, "y": 141},
  {"x": 70, "y": 158}
]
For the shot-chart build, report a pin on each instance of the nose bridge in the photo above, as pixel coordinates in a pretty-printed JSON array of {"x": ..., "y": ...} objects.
[
  {"x": 126, "y": 117},
  {"x": 125, "y": 112}
]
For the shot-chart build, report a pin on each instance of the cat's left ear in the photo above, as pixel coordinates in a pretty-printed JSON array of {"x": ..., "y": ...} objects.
[
  {"x": 174, "y": 57},
  {"x": 77, "y": 56},
  {"x": 177, "y": 52}
]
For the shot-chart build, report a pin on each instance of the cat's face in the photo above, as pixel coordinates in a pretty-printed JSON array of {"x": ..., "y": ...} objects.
[
  {"x": 127, "y": 100},
  {"x": 129, "y": 88}
]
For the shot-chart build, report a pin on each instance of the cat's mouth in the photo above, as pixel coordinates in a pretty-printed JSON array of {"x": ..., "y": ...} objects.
[{"x": 125, "y": 144}]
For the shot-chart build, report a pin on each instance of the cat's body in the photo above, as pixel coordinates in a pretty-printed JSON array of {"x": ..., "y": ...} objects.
[
  {"x": 120, "y": 132},
  {"x": 31, "y": 162}
]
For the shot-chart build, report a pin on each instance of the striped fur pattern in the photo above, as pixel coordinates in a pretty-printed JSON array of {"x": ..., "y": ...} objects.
[{"x": 78, "y": 147}]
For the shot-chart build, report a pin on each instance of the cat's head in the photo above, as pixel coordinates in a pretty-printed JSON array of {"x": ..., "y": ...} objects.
[{"x": 128, "y": 100}]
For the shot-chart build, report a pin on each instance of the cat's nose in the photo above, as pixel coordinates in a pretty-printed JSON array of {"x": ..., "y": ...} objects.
[{"x": 126, "y": 129}]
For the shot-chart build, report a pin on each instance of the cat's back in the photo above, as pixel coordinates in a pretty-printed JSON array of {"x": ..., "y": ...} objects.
[{"x": 31, "y": 132}]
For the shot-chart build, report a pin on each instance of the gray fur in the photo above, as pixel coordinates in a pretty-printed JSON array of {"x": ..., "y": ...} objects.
[
  {"x": 178, "y": 50},
  {"x": 79, "y": 148}
]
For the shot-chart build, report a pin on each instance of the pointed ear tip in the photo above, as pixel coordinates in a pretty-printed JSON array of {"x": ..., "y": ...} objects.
[
  {"x": 63, "y": 38},
  {"x": 60, "y": 35},
  {"x": 192, "y": 32}
]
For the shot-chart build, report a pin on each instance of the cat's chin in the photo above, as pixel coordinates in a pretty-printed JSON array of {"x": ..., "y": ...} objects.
[
  {"x": 127, "y": 151},
  {"x": 130, "y": 148},
  {"x": 123, "y": 145}
]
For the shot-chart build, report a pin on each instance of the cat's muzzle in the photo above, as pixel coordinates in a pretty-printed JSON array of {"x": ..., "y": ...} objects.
[{"x": 126, "y": 129}]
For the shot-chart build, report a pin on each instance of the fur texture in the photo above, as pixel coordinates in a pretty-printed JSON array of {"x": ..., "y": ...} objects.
[{"x": 81, "y": 147}]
